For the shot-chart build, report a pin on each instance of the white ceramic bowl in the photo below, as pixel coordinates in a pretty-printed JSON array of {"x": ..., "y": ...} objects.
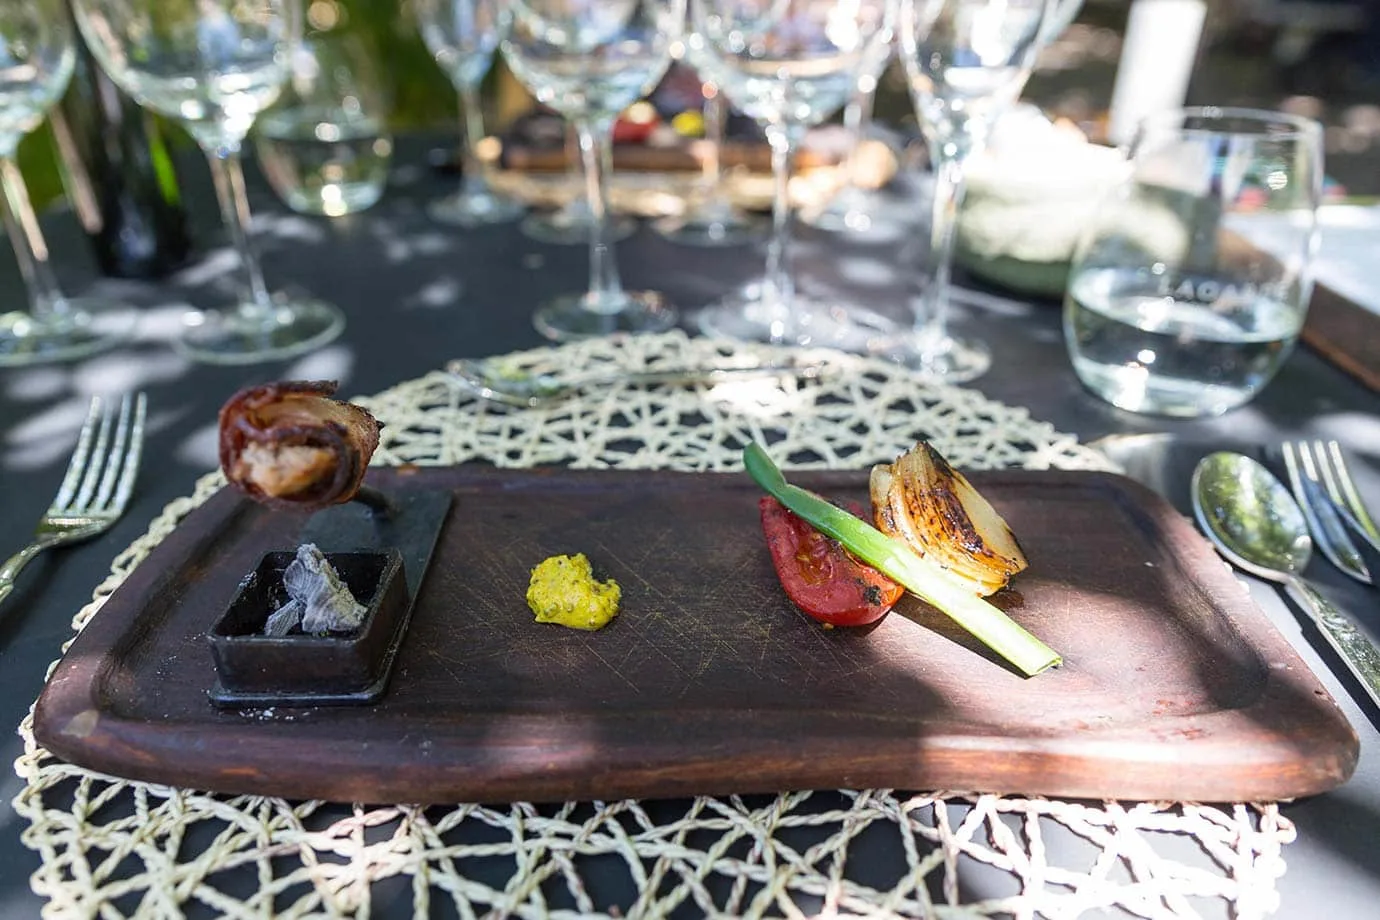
[{"x": 1028, "y": 198}]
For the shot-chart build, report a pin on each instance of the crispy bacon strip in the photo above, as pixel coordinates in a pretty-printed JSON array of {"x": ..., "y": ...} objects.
[{"x": 289, "y": 445}]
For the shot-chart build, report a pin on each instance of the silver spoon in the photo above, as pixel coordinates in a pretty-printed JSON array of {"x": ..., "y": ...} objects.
[
  {"x": 526, "y": 389},
  {"x": 1256, "y": 524}
]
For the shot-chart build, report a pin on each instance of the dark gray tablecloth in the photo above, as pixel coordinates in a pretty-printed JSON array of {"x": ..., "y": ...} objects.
[{"x": 417, "y": 294}]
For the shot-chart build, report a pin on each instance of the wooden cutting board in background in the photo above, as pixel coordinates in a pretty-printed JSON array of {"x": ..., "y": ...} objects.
[
  {"x": 1174, "y": 685},
  {"x": 1345, "y": 333}
]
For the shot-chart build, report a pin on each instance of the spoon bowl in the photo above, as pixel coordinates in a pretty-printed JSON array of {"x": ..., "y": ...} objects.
[
  {"x": 1251, "y": 516},
  {"x": 1253, "y": 520},
  {"x": 510, "y": 387}
]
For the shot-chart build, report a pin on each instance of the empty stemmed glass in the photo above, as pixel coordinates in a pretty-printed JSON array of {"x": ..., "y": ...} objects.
[
  {"x": 966, "y": 62},
  {"x": 710, "y": 218},
  {"x": 36, "y": 60},
  {"x": 853, "y": 207},
  {"x": 215, "y": 65},
  {"x": 462, "y": 36},
  {"x": 789, "y": 64},
  {"x": 589, "y": 61}
]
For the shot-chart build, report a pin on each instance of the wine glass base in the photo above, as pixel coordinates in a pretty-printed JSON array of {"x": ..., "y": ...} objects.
[
  {"x": 746, "y": 317},
  {"x": 710, "y": 230},
  {"x": 948, "y": 360},
  {"x": 479, "y": 209},
  {"x": 292, "y": 327},
  {"x": 854, "y": 212},
  {"x": 570, "y": 227},
  {"x": 857, "y": 220},
  {"x": 87, "y": 326},
  {"x": 569, "y": 318}
]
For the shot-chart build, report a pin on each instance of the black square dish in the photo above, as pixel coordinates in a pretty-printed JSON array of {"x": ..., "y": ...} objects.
[{"x": 303, "y": 669}]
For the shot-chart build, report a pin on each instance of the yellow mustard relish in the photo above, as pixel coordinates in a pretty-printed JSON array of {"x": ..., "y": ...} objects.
[{"x": 563, "y": 590}]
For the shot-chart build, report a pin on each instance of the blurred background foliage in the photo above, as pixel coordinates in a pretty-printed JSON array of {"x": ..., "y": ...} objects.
[{"x": 422, "y": 95}]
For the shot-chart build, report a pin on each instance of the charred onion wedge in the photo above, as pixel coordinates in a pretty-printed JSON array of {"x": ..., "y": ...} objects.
[
  {"x": 928, "y": 504},
  {"x": 290, "y": 446}
]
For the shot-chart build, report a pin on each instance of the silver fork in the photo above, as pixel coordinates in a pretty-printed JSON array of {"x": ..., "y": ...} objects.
[
  {"x": 1322, "y": 483},
  {"x": 95, "y": 491}
]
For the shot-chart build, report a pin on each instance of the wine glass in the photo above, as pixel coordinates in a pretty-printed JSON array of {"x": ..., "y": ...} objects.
[
  {"x": 324, "y": 146},
  {"x": 711, "y": 219},
  {"x": 215, "y": 65},
  {"x": 966, "y": 62},
  {"x": 789, "y": 64},
  {"x": 36, "y": 61},
  {"x": 462, "y": 36},
  {"x": 589, "y": 60},
  {"x": 853, "y": 207}
]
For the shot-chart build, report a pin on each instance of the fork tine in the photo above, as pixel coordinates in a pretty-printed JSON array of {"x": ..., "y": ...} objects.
[
  {"x": 1325, "y": 474},
  {"x": 132, "y": 457},
  {"x": 96, "y": 463},
  {"x": 117, "y": 456},
  {"x": 77, "y": 465},
  {"x": 1347, "y": 486},
  {"x": 1327, "y": 529}
]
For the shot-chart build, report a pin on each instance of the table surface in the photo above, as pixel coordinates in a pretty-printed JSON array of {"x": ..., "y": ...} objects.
[{"x": 417, "y": 294}]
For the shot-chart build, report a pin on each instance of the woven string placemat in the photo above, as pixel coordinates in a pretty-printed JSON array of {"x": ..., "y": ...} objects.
[{"x": 114, "y": 848}]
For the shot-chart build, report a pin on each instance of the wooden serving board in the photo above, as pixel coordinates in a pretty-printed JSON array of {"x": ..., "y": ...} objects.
[{"x": 1174, "y": 685}]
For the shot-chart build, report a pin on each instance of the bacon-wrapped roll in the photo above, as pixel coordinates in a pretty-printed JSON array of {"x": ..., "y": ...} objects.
[{"x": 289, "y": 445}]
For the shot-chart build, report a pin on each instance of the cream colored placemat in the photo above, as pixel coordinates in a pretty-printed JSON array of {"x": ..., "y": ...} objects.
[{"x": 113, "y": 848}]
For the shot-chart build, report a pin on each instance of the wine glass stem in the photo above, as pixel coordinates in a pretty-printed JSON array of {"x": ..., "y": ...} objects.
[
  {"x": 714, "y": 201},
  {"x": 714, "y": 114},
  {"x": 857, "y": 117},
  {"x": 930, "y": 322},
  {"x": 29, "y": 247},
  {"x": 575, "y": 169},
  {"x": 255, "y": 302},
  {"x": 596, "y": 150},
  {"x": 471, "y": 133},
  {"x": 777, "y": 291}
]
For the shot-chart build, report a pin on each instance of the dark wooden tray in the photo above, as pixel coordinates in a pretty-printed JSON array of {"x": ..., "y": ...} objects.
[{"x": 1174, "y": 685}]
